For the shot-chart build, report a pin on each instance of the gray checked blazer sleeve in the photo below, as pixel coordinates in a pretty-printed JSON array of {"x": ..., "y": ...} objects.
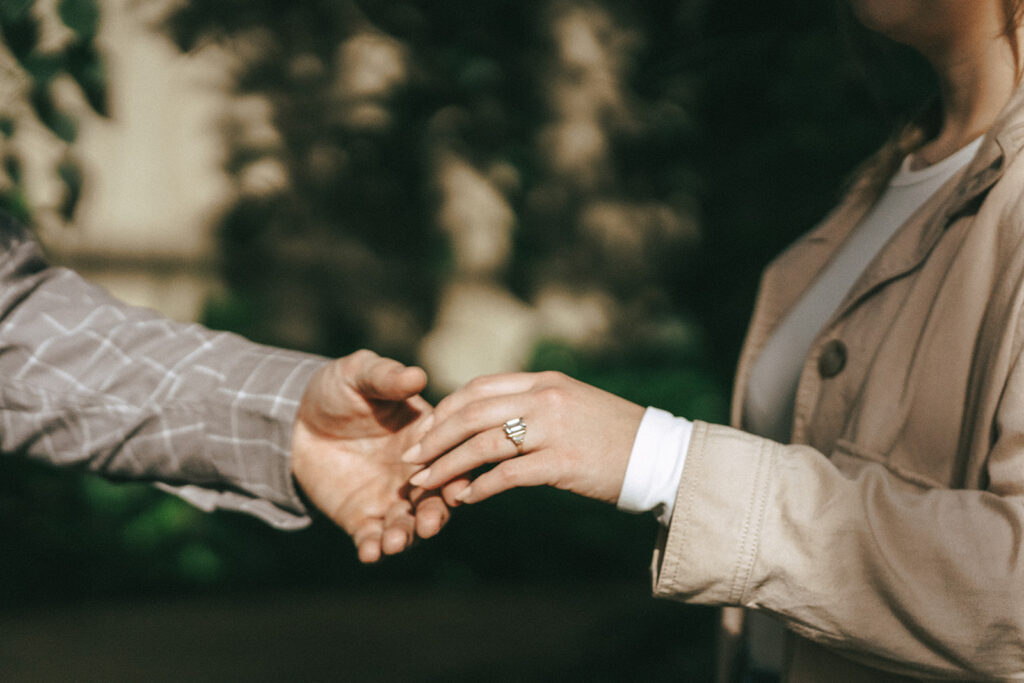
[{"x": 87, "y": 381}]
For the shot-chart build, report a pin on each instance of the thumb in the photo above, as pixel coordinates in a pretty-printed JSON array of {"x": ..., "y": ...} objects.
[{"x": 387, "y": 379}]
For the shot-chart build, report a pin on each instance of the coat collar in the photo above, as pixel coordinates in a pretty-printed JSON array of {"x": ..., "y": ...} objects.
[
  {"x": 962, "y": 196},
  {"x": 915, "y": 240}
]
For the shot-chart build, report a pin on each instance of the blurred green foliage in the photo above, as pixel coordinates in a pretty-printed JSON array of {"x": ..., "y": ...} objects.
[
  {"x": 758, "y": 111},
  {"x": 31, "y": 90}
]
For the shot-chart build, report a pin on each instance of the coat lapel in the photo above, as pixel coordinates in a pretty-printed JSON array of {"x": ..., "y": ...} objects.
[
  {"x": 790, "y": 275},
  {"x": 914, "y": 241}
]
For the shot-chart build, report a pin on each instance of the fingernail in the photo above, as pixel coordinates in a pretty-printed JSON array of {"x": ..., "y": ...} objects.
[
  {"x": 463, "y": 494},
  {"x": 419, "y": 477},
  {"x": 411, "y": 454}
]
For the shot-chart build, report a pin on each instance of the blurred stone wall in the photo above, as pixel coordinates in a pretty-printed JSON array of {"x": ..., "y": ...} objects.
[
  {"x": 590, "y": 272},
  {"x": 547, "y": 237},
  {"x": 153, "y": 185}
]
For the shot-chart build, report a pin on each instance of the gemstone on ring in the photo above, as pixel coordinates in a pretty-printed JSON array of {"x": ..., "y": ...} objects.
[{"x": 515, "y": 431}]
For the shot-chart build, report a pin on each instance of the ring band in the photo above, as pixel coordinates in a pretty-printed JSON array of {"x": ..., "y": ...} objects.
[{"x": 515, "y": 431}]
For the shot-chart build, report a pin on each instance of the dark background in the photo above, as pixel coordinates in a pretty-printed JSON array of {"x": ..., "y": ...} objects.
[{"x": 750, "y": 116}]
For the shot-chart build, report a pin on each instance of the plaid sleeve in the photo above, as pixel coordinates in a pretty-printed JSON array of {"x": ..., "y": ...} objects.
[{"x": 87, "y": 381}]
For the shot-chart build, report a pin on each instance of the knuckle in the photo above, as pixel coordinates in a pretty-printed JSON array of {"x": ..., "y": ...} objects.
[
  {"x": 552, "y": 397},
  {"x": 553, "y": 377},
  {"x": 362, "y": 356},
  {"x": 479, "y": 382},
  {"x": 506, "y": 474},
  {"x": 473, "y": 413},
  {"x": 444, "y": 406}
]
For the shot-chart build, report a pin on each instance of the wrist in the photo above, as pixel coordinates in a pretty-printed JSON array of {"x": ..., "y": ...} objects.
[
  {"x": 656, "y": 464},
  {"x": 309, "y": 507},
  {"x": 633, "y": 419}
]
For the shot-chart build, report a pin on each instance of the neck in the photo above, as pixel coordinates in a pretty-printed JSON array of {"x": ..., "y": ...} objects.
[{"x": 975, "y": 84}]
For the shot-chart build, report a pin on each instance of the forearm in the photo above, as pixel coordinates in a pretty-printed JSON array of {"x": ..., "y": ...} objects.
[
  {"x": 912, "y": 580},
  {"x": 89, "y": 382}
]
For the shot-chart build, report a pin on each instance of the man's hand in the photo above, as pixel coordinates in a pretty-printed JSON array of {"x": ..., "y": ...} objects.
[{"x": 357, "y": 416}]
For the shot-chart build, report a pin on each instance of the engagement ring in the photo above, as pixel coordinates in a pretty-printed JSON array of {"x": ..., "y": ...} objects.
[{"x": 515, "y": 431}]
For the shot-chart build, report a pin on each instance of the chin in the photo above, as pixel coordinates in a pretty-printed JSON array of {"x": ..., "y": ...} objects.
[{"x": 889, "y": 17}]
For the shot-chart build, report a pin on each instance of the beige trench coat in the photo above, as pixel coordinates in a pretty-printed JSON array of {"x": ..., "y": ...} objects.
[{"x": 889, "y": 538}]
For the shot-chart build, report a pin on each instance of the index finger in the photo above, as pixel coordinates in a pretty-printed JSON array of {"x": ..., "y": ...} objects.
[
  {"x": 476, "y": 417},
  {"x": 474, "y": 393},
  {"x": 482, "y": 387}
]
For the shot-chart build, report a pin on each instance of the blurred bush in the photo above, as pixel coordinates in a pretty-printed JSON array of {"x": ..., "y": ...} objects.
[{"x": 47, "y": 49}]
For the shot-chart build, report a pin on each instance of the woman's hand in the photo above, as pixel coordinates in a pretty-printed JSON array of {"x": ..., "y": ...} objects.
[{"x": 578, "y": 438}]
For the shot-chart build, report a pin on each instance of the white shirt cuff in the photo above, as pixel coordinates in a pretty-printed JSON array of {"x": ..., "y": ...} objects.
[{"x": 656, "y": 464}]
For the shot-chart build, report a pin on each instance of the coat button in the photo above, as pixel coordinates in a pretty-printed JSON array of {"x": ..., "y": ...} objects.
[{"x": 832, "y": 359}]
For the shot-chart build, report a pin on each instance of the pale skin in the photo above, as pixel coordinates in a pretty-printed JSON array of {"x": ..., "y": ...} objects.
[
  {"x": 579, "y": 438},
  {"x": 357, "y": 415},
  {"x": 966, "y": 44}
]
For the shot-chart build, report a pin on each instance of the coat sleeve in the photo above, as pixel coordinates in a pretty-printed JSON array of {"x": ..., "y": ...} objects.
[
  {"x": 910, "y": 580},
  {"x": 87, "y": 381}
]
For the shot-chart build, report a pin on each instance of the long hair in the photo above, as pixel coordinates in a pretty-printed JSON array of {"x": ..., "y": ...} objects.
[{"x": 1013, "y": 10}]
